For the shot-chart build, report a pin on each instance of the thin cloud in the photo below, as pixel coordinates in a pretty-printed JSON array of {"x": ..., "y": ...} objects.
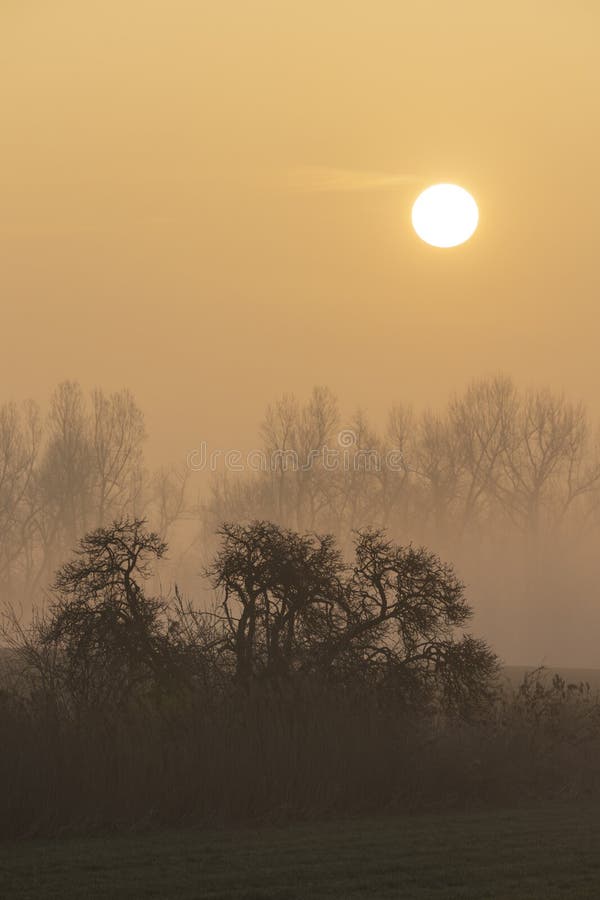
[{"x": 323, "y": 179}]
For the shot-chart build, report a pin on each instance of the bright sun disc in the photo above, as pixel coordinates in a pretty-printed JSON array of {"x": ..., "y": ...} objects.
[{"x": 445, "y": 215}]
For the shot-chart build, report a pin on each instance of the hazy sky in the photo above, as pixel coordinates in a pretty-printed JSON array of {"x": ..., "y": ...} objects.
[{"x": 158, "y": 229}]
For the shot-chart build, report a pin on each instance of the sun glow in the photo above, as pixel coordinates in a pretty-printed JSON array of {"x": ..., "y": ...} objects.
[{"x": 445, "y": 215}]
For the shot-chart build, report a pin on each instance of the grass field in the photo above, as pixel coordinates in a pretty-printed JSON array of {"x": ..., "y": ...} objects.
[{"x": 551, "y": 852}]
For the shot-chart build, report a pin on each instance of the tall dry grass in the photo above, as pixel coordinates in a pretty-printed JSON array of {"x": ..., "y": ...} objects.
[{"x": 281, "y": 752}]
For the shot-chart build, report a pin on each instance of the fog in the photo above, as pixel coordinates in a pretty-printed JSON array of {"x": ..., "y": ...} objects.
[
  {"x": 503, "y": 483},
  {"x": 209, "y": 205}
]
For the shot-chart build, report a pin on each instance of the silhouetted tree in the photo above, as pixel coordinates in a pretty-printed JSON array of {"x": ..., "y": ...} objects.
[
  {"x": 278, "y": 587},
  {"x": 401, "y": 619},
  {"x": 291, "y": 605},
  {"x": 109, "y": 636}
]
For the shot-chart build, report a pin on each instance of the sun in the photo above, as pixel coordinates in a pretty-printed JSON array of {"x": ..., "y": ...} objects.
[{"x": 445, "y": 215}]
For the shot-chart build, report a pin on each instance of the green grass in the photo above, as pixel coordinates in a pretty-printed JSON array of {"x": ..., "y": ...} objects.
[{"x": 551, "y": 852}]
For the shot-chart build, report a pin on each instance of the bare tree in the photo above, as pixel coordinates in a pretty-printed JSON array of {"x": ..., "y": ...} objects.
[
  {"x": 316, "y": 433},
  {"x": 550, "y": 462},
  {"x": 169, "y": 495},
  {"x": 358, "y": 481},
  {"x": 117, "y": 435},
  {"x": 483, "y": 421},
  {"x": 279, "y": 435},
  {"x": 296, "y": 438},
  {"x": 20, "y": 436},
  {"x": 65, "y": 477},
  {"x": 291, "y": 606},
  {"x": 397, "y": 473},
  {"x": 110, "y": 638},
  {"x": 438, "y": 465},
  {"x": 275, "y": 585}
]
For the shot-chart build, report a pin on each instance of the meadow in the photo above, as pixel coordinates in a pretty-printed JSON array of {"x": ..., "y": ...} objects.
[{"x": 546, "y": 852}]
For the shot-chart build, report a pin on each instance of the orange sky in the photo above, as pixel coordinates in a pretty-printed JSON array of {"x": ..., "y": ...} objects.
[{"x": 153, "y": 234}]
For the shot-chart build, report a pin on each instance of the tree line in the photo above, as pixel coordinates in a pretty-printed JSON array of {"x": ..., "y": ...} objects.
[
  {"x": 496, "y": 460},
  {"x": 69, "y": 470}
]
